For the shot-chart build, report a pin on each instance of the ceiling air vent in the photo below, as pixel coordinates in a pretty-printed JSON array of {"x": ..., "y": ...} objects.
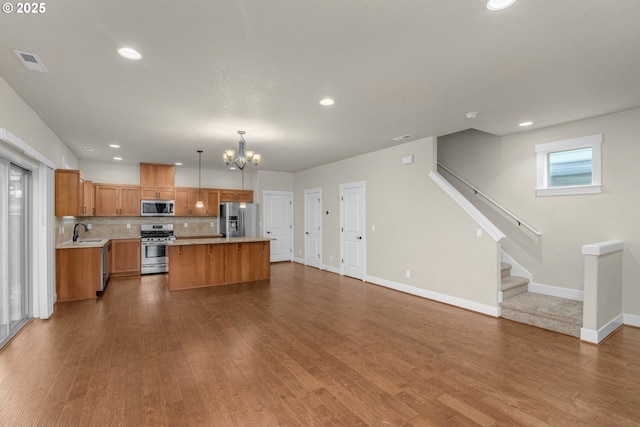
[
  {"x": 31, "y": 61},
  {"x": 403, "y": 137}
]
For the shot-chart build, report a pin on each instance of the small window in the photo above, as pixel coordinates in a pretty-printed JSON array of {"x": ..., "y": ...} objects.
[{"x": 571, "y": 166}]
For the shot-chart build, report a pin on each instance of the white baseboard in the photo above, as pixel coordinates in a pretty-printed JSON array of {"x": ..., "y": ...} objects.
[
  {"x": 447, "y": 299},
  {"x": 298, "y": 260},
  {"x": 596, "y": 337},
  {"x": 631, "y": 320},
  {"x": 331, "y": 269},
  {"x": 556, "y": 291}
]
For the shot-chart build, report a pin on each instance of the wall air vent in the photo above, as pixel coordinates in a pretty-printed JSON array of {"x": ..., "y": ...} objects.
[{"x": 31, "y": 61}]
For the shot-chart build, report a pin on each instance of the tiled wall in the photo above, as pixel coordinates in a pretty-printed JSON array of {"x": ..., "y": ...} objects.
[{"x": 129, "y": 227}]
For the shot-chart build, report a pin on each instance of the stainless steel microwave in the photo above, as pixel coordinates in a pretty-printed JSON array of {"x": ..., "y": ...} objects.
[{"x": 157, "y": 208}]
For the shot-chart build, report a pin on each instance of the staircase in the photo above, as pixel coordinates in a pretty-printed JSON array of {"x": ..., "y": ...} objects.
[{"x": 544, "y": 311}]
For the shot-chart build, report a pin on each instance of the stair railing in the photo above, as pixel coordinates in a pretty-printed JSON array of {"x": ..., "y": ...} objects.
[{"x": 506, "y": 211}]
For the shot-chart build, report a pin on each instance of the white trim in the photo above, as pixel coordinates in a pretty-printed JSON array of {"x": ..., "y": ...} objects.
[
  {"x": 602, "y": 248},
  {"x": 331, "y": 269},
  {"x": 570, "y": 144},
  {"x": 542, "y": 172},
  {"x": 631, "y": 320},
  {"x": 596, "y": 337},
  {"x": 468, "y": 207},
  {"x": 555, "y": 291},
  {"x": 23, "y": 147},
  {"x": 435, "y": 296},
  {"x": 298, "y": 260},
  {"x": 567, "y": 191}
]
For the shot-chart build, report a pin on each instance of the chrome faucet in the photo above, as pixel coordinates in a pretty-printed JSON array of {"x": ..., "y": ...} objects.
[{"x": 75, "y": 230}]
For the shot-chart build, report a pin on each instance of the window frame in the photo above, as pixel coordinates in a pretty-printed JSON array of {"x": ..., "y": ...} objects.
[{"x": 542, "y": 165}]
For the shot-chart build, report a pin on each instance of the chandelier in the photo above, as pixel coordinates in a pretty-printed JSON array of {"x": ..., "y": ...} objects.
[{"x": 244, "y": 157}]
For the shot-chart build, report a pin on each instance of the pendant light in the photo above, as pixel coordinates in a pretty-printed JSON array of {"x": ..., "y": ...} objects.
[
  {"x": 243, "y": 204},
  {"x": 199, "y": 203}
]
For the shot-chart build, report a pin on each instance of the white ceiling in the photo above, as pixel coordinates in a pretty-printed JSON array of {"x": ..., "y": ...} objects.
[{"x": 394, "y": 67}]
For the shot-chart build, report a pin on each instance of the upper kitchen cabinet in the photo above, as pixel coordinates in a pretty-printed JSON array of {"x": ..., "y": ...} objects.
[
  {"x": 117, "y": 200},
  {"x": 74, "y": 195},
  {"x": 157, "y": 176},
  {"x": 236, "y": 196},
  {"x": 186, "y": 199},
  {"x": 157, "y": 193}
]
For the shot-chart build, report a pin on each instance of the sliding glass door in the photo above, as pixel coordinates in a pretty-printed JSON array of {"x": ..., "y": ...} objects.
[{"x": 14, "y": 249}]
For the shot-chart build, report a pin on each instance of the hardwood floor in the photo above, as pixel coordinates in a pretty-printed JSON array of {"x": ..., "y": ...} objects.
[{"x": 308, "y": 348}]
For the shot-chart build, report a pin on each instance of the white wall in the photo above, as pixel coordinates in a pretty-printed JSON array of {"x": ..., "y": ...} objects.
[
  {"x": 417, "y": 226},
  {"x": 505, "y": 169},
  {"x": 123, "y": 173},
  {"x": 19, "y": 119}
]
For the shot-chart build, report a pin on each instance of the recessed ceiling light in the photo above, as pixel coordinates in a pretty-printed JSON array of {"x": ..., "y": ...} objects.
[
  {"x": 523, "y": 124},
  {"x": 114, "y": 146},
  {"x": 117, "y": 158},
  {"x": 327, "y": 102},
  {"x": 87, "y": 148},
  {"x": 471, "y": 115},
  {"x": 178, "y": 164},
  {"x": 129, "y": 53},
  {"x": 494, "y": 5}
]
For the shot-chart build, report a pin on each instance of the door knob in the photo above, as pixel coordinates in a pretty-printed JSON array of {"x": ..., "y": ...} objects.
[{"x": 359, "y": 237}]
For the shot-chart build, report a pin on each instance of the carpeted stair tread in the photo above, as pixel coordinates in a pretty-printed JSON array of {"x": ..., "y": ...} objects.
[
  {"x": 553, "y": 313},
  {"x": 512, "y": 282}
]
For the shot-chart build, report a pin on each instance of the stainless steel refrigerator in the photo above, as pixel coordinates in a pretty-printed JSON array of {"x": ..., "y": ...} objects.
[{"x": 239, "y": 222}]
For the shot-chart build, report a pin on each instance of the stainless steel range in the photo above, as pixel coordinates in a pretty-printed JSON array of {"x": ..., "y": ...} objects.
[{"x": 154, "y": 239}]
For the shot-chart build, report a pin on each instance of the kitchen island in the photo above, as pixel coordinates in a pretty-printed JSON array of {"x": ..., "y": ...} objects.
[{"x": 194, "y": 263}]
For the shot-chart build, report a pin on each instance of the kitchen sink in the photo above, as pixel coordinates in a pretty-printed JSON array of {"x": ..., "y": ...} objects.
[{"x": 90, "y": 240}]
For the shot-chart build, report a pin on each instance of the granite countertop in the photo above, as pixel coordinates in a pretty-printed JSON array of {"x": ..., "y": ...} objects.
[
  {"x": 84, "y": 243},
  {"x": 219, "y": 240},
  {"x": 98, "y": 242}
]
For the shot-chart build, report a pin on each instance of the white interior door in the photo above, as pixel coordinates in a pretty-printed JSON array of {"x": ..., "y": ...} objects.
[
  {"x": 278, "y": 223},
  {"x": 352, "y": 218},
  {"x": 313, "y": 227}
]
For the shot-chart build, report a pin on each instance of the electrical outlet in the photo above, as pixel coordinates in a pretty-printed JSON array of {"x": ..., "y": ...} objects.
[
  {"x": 128, "y": 225},
  {"x": 186, "y": 224},
  {"x": 407, "y": 273},
  {"x": 89, "y": 227}
]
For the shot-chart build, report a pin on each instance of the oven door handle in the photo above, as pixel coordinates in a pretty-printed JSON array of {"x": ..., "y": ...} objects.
[{"x": 154, "y": 243}]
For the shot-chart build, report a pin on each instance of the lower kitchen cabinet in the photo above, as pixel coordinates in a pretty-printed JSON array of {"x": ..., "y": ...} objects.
[
  {"x": 125, "y": 257},
  {"x": 78, "y": 273},
  {"x": 196, "y": 264}
]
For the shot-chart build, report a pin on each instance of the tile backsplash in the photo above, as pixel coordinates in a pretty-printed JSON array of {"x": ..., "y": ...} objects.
[{"x": 129, "y": 227}]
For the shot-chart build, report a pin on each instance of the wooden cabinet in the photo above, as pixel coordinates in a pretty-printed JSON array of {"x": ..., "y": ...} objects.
[
  {"x": 78, "y": 273},
  {"x": 236, "y": 196},
  {"x": 187, "y": 266},
  {"x": 158, "y": 176},
  {"x": 125, "y": 257},
  {"x": 69, "y": 192},
  {"x": 157, "y": 193},
  {"x": 88, "y": 203},
  {"x": 187, "y": 197},
  {"x": 246, "y": 262},
  {"x": 197, "y": 265},
  {"x": 212, "y": 202},
  {"x": 117, "y": 200}
]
